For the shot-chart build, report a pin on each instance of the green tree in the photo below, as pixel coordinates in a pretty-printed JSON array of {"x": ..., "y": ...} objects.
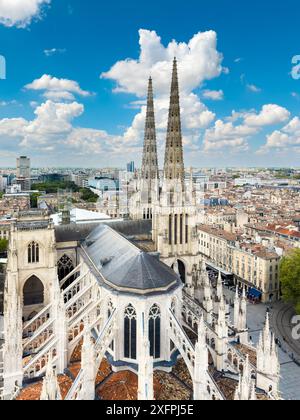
[
  {"x": 34, "y": 200},
  {"x": 53, "y": 187},
  {"x": 290, "y": 278},
  {"x": 3, "y": 245},
  {"x": 88, "y": 196}
]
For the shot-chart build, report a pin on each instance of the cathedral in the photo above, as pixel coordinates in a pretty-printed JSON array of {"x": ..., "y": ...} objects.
[{"x": 88, "y": 308}]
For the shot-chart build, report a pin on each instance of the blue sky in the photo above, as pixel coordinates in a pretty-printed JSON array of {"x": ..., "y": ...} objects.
[{"x": 233, "y": 56}]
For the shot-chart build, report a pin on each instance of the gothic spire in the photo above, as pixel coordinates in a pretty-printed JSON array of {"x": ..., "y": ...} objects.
[
  {"x": 174, "y": 165},
  {"x": 150, "y": 161}
]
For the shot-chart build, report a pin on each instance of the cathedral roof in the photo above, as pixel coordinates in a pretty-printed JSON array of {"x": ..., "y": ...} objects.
[
  {"x": 124, "y": 267},
  {"x": 79, "y": 232}
]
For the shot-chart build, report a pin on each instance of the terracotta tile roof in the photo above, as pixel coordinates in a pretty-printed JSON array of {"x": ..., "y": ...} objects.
[
  {"x": 245, "y": 350},
  {"x": 222, "y": 234},
  {"x": 33, "y": 392},
  {"x": 122, "y": 386}
]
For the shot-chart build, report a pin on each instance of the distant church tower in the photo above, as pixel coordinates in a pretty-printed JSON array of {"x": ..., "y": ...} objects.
[
  {"x": 175, "y": 213},
  {"x": 141, "y": 204}
]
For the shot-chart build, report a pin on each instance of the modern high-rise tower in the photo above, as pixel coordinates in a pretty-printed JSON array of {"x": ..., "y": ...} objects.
[{"x": 23, "y": 167}]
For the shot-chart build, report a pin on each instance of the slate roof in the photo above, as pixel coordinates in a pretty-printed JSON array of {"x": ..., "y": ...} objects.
[
  {"x": 124, "y": 267},
  {"x": 79, "y": 232}
]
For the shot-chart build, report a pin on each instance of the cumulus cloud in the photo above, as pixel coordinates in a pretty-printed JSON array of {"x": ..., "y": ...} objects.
[
  {"x": 198, "y": 62},
  {"x": 52, "y": 131},
  {"x": 20, "y": 12},
  {"x": 51, "y": 125},
  {"x": 57, "y": 89},
  {"x": 269, "y": 115},
  {"x": 286, "y": 138},
  {"x": 226, "y": 135},
  {"x": 213, "y": 95},
  {"x": 241, "y": 126}
]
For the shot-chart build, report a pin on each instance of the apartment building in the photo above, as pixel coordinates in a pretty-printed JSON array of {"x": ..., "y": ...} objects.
[{"x": 253, "y": 265}]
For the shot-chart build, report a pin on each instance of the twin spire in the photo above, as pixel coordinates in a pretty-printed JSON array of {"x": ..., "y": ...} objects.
[
  {"x": 174, "y": 165},
  {"x": 150, "y": 161}
]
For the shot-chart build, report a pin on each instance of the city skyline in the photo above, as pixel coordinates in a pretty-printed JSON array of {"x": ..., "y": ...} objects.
[{"x": 83, "y": 95}]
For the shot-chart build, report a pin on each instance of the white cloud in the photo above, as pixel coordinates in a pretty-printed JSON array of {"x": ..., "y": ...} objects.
[
  {"x": 52, "y": 132},
  {"x": 54, "y": 51},
  {"x": 253, "y": 88},
  {"x": 213, "y": 95},
  {"x": 228, "y": 135},
  {"x": 51, "y": 125},
  {"x": 198, "y": 61},
  {"x": 54, "y": 95},
  {"x": 270, "y": 114},
  {"x": 47, "y": 82},
  {"x": 20, "y": 12},
  {"x": 286, "y": 138}
]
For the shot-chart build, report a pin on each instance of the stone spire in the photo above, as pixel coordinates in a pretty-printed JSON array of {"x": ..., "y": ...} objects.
[
  {"x": 58, "y": 314},
  {"x": 207, "y": 298},
  {"x": 145, "y": 373},
  {"x": 222, "y": 336},
  {"x": 246, "y": 388},
  {"x": 220, "y": 287},
  {"x": 268, "y": 367},
  {"x": 88, "y": 366},
  {"x": 50, "y": 390},
  {"x": 174, "y": 165},
  {"x": 13, "y": 348},
  {"x": 150, "y": 161},
  {"x": 240, "y": 316},
  {"x": 201, "y": 364}
]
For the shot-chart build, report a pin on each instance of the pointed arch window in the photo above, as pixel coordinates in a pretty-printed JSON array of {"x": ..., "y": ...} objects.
[
  {"x": 130, "y": 324},
  {"x": 154, "y": 331},
  {"x": 65, "y": 266},
  {"x": 33, "y": 292},
  {"x": 33, "y": 253}
]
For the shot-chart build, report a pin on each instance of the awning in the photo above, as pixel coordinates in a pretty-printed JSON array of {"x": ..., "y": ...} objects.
[{"x": 255, "y": 293}]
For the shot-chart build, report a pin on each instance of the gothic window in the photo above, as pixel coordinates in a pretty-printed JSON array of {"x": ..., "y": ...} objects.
[
  {"x": 33, "y": 253},
  {"x": 181, "y": 229},
  {"x": 64, "y": 267},
  {"x": 170, "y": 230},
  {"x": 186, "y": 229},
  {"x": 33, "y": 292},
  {"x": 130, "y": 324},
  {"x": 154, "y": 331},
  {"x": 175, "y": 229}
]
